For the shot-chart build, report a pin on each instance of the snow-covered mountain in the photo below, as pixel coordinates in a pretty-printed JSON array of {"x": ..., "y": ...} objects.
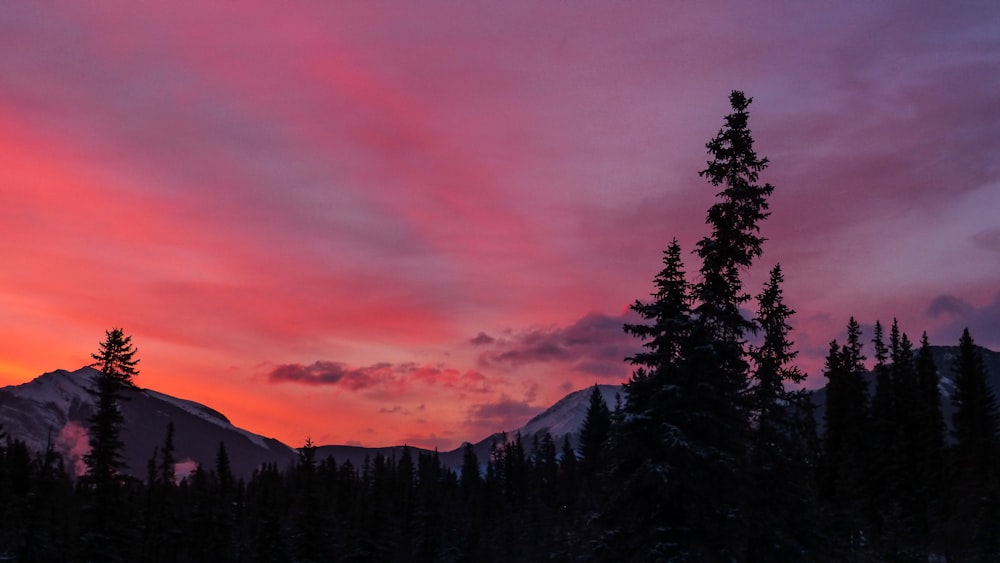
[
  {"x": 567, "y": 415},
  {"x": 54, "y": 408},
  {"x": 563, "y": 418}
]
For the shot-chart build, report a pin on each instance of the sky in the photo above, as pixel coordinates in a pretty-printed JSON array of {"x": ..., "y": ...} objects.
[{"x": 381, "y": 222}]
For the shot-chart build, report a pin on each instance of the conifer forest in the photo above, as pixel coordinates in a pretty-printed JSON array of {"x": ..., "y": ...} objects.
[{"x": 715, "y": 452}]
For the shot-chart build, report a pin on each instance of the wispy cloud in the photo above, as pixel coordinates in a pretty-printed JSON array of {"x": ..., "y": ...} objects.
[
  {"x": 595, "y": 344},
  {"x": 384, "y": 376},
  {"x": 331, "y": 373},
  {"x": 983, "y": 321},
  {"x": 948, "y": 305}
]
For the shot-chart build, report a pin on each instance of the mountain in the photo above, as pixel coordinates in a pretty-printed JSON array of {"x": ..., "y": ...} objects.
[
  {"x": 563, "y": 418},
  {"x": 54, "y": 408}
]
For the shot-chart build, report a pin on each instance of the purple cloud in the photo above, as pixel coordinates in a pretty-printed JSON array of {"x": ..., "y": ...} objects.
[
  {"x": 595, "y": 344},
  {"x": 329, "y": 373},
  {"x": 383, "y": 375},
  {"x": 948, "y": 305},
  {"x": 983, "y": 322},
  {"x": 482, "y": 339}
]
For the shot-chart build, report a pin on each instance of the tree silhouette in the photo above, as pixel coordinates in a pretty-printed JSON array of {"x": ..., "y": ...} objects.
[
  {"x": 116, "y": 361},
  {"x": 682, "y": 453},
  {"x": 976, "y": 512},
  {"x": 780, "y": 444},
  {"x": 594, "y": 432}
]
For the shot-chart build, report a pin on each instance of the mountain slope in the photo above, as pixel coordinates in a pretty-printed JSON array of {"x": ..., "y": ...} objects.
[
  {"x": 563, "y": 418},
  {"x": 54, "y": 408}
]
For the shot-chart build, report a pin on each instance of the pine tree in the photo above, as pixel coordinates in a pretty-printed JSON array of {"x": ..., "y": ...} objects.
[
  {"x": 773, "y": 371},
  {"x": 975, "y": 518},
  {"x": 932, "y": 449},
  {"x": 117, "y": 368},
  {"x": 735, "y": 240},
  {"x": 105, "y": 461},
  {"x": 845, "y": 451},
  {"x": 594, "y": 432},
  {"x": 682, "y": 452},
  {"x": 307, "y": 514},
  {"x": 568, "y": 473},
  {"x": 161, "y": 514},
  {"x": 911, "y": 505},
  {"x": 975, "y": 422},
  {"x": 883, "y": 474},
  {"x": 471, "y": 480},
  {"x": 168, "y": 475},
  {"x": 718, "y": 355},
  {"x": 780, "y": 451}
]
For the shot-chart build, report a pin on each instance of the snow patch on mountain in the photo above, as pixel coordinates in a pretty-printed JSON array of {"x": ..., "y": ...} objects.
[
  {"x": 567, "y": 415},
  {"x": 53, "y": 409},
  {"x": 60, "y": 389}
]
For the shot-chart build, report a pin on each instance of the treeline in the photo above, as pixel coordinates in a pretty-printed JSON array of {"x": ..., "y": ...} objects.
[
  {"x": 892, "y": 480},
  {"x": 521, "y": 504},
  {"x": 882, "y": 483},
  {"x": 713, "y": 455}
]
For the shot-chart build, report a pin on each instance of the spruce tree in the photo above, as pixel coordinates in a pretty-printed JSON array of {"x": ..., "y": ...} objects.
[
  {"x": 932, "y": 447},
  {"x": 654, "y": 422},
  {"x": 911, "y": 506},
  {"x": 594, "y": 432},
  {"x": 885, "y": 446},
  {"x": 976, "y": 512},
  {"x": 845, "y": 451},
  {"x": 773, "y": 371},
  {"x": 682, "y": 451},
  {"x": 105, "y": 461},
  {"x": 779, "y": 448},
  {"x": 116, "y": 362},
  {"x": 975, "y": 422},
  {"x": 168, "y": 475},
  {"x": 666, "y": 338},
  {"x": 471, "y": 480},
  {"x": 735, "y": 240}
]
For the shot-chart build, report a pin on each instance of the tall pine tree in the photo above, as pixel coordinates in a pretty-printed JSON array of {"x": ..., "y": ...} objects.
[
  {"x": 116, "y": 361},
  {"x": 682, "y": 455},
  {"x": 975, "y": 529}
]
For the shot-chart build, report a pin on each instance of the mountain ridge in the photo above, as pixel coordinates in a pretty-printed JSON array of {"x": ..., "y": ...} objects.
[{"x": 52, "y": 409}]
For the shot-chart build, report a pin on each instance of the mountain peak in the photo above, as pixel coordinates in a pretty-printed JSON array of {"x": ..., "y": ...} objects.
[
  {"x": 54, "y": 409},
  {"x": 567, "y": 415}
]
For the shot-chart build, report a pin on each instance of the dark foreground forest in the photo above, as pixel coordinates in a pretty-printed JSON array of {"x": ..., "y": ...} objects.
[{"x": 713, "y": 455}]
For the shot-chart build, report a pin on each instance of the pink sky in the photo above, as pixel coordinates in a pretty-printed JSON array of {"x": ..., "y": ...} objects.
[{"x": 423, "y": 222}]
